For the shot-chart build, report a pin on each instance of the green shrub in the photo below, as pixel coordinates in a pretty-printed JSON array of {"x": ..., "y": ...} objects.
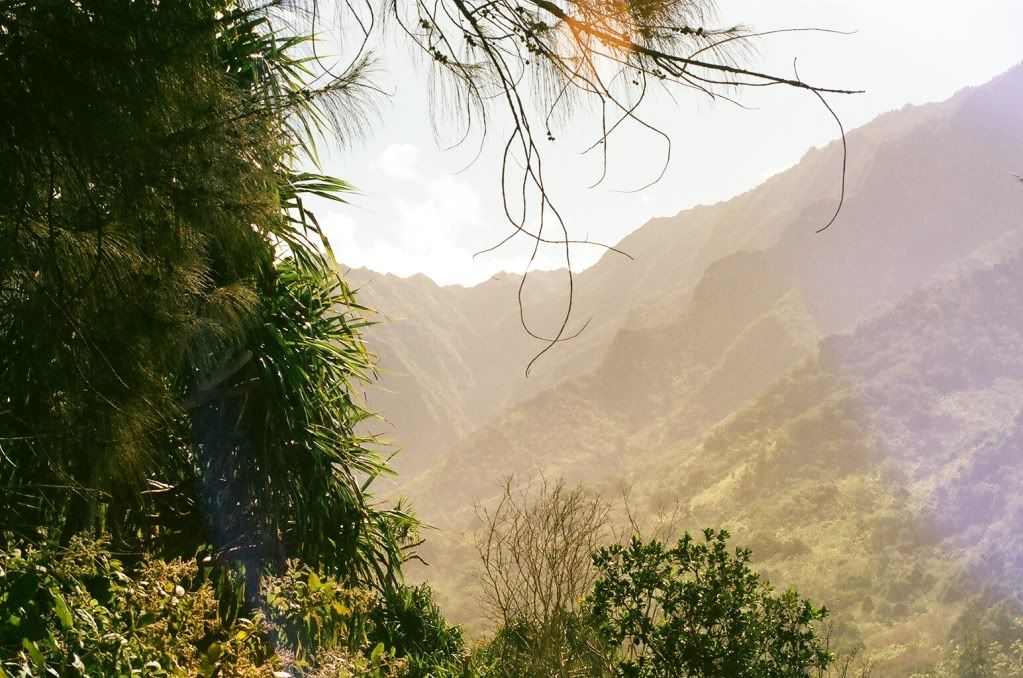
[
  {"x": 696, "y": 609},
  {"x": 80, "y": 611},
  {"x": 408, "y": 621},
  {"x": 76, "y": 610}
]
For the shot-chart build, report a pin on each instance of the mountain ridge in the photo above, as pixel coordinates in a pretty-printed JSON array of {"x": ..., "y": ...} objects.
[
  {"x": 473, "y": 370},
  {"x": 713, "y": 368}
]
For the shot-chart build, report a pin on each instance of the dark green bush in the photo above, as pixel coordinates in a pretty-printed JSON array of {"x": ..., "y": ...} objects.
[
  {"x": 696, "y": 609},
  {"x": 408, "y": 621}
]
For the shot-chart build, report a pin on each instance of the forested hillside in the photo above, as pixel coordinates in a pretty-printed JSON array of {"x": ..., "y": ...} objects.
[{"x": 894, "y": 450}]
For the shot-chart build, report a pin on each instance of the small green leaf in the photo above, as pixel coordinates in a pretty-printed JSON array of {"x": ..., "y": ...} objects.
[
  {"x": 145, "y": 620},
  {"x": 33, "y": 652},
  {"x": 377, "y": 653},
  {"x": 22, "y": 590},
  {"x": 314, "y": 581},
  {"x": 64, "y": 615}
]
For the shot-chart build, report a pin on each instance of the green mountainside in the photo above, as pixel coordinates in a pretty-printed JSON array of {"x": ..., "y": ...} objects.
[{"x": 881, "y": 474}]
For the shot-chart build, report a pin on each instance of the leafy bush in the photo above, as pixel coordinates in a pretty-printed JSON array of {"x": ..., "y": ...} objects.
[
  {"x": 80, "y": 611},
  {"x": 320, "y": 627},
  {"x": 697, "y": 609},
  {"x": 523, "y": 649},
  {"x": 408, "y": 621},
  {"x": 76, "y": 610}
]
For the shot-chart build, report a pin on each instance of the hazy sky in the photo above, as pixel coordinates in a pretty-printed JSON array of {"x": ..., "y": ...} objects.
[{"x": 422, "y": 211}]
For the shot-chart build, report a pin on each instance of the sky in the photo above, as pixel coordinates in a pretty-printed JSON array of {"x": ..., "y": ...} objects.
[{"x": 424, "y": 209}]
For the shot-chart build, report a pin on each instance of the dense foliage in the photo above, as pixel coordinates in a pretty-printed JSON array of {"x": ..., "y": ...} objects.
[
  {"x": 180, "y": 357},
  {"x": 410, "y": 623},
  {"x": 697, "y": 609},
  {"x": 80, "y": 611}
]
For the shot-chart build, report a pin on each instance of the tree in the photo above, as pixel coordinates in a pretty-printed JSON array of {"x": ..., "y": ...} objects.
[
  {"x": 535, "y": 548},
  {"x": 697, "y": 610},
  {"x": 180, "y": 358}
]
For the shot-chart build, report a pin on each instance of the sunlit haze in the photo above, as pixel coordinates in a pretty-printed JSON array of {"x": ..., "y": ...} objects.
[{"x": 427, "y": 210}]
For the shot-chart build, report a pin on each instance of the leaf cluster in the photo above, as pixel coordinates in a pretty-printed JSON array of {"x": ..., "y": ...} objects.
[
  {"x": 697, "y": 609},
  {"x": 80, "y": 610}
]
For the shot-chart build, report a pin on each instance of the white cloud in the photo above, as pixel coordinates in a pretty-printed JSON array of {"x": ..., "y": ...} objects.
[
  {"x": 430, "y": 229},
  {"x": 434, "y": 228},
  {"x": 339, "y": 230},
  {"x": 399, "y": 161},
  {"x": 430, "y": 224},
  {"x": 445, "y": 211}
]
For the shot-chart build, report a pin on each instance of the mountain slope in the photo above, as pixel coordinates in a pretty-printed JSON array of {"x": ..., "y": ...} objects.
[
  {"x": 882, "y": 474},
  {"x": 453, "y": 358},
  {"x": 906, "y": 220}
]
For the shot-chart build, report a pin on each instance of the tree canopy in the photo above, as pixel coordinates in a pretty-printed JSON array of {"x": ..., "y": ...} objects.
[{"x": 181, "y": 358}]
